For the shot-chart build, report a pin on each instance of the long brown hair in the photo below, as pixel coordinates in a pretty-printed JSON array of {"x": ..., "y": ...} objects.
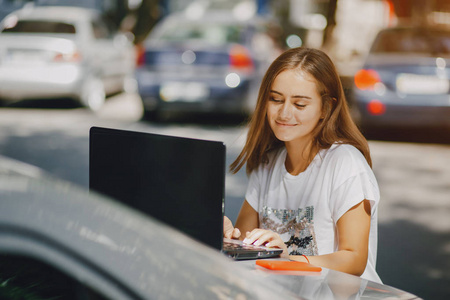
[{"x": 336, "y": 125}]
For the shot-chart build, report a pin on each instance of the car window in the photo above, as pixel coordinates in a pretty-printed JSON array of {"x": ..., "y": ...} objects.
[
  {"x": 217, "y": 34},
  {"x": 28, "y": 278},
  {"x": 29, "y": 26},
  {"x": 420, "y": 41}
]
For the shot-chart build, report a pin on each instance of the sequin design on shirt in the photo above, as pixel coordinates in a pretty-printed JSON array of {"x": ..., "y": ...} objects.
[{"x": 296, "y": 228}]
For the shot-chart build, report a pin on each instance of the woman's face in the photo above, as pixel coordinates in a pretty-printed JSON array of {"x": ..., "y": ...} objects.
[{"x": 294, "y": 106}]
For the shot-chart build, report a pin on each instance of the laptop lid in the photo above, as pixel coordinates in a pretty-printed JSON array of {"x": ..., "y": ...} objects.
[{"x": 179, "y": 181}]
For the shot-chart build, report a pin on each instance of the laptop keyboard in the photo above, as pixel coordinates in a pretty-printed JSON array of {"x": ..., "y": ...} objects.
[{"x": 238, "y": 245}]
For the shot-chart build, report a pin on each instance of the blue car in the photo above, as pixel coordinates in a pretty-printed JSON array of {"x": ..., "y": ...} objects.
[
  {"x": 208, "y": 63},
  {"x": 404, "y": 82}
]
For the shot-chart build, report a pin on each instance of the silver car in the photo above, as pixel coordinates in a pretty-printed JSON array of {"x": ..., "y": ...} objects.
[
  {"x": 59, "y": 241},
  {"x": 404, "y": 82},
  {"x": 62, "y": 52}
]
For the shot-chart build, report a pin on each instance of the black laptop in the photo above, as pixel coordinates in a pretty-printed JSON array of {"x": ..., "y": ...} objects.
[{"x": 179, "y": 181}]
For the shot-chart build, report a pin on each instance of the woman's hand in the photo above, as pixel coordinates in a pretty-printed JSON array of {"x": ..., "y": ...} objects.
[
  {"x": 267, "y": 238},
  {"x": 228, "y": 230}
]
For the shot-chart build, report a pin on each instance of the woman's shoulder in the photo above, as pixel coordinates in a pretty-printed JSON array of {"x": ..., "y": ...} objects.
[
  {"x": 343, "y": 154},
  {"x": 338, "y": 149},
  {"x": 344, "y": 161}
]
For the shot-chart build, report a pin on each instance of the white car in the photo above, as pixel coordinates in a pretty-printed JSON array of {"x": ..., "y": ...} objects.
[{"x": 62, "y": 52}]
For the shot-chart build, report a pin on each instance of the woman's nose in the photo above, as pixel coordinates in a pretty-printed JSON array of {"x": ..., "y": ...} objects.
[{"x": 285, "y": 111}]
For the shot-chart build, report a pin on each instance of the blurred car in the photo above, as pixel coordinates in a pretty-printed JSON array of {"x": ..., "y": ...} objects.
[
  {"x": 62, "y": 52},
  {"x": 60, "y": 241},
  {"x": 211, "y": 62},
  {"x": 404, "y": 82}
]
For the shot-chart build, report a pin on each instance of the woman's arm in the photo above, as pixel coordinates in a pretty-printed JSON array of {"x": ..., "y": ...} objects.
[
  {"x": 248, "y": 219},
  {"x": 353, "y": 234}
]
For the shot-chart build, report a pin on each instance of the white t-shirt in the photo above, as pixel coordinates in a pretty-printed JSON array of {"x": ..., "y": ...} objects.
[{"x": 304, "y": 209}]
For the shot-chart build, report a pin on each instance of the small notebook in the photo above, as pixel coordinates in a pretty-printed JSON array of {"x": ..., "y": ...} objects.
[{"x": 283, "y": 265}]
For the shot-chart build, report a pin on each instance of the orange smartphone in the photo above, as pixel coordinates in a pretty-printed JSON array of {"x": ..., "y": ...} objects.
[{"x": 283, "y": 265}]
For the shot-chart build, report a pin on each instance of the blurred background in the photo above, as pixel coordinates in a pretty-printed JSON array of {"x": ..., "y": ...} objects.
[{"x": 193, "y": 68}]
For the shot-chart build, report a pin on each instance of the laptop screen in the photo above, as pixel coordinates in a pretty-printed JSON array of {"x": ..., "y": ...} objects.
[{"x": 179, "y": 181}]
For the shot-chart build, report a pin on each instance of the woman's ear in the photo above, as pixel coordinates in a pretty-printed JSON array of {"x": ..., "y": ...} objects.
[
  {"x": 327, "y": 107},
  {"x": 324, "y": 112}
]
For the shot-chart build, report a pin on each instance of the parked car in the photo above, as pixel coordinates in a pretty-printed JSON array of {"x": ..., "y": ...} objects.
[
  {"x": 60, "y": 241},
  {"x": 210, "y": 63},
  {"x": 62, "y": 52},
  {"x": 404, "y": 82}
]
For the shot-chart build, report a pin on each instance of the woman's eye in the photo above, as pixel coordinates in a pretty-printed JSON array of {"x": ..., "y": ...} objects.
[
  {"x": 300, "y": 105},
  {"x": 276, "y": 100}
]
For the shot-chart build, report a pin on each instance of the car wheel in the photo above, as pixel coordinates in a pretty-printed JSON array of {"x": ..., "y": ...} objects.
[{"x": 93, "y": 94}]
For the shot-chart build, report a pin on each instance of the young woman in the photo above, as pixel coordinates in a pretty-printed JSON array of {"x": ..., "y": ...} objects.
[{"x": 311, "y": 188}]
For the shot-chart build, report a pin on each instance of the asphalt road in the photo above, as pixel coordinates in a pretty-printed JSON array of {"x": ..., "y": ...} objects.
[{"x": 414, "y": 178}]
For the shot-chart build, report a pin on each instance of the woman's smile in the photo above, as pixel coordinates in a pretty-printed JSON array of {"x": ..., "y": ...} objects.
[{"x": 284, "y": 124}]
